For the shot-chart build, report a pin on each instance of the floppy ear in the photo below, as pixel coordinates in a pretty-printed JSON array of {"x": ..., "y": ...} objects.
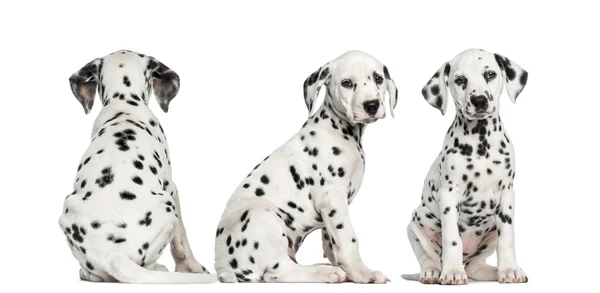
[
  {"x": 435, "y": 91},
  {"x": 84, "y": 83},
  {"x": 515, "y": 77},
  {"x": 313, "y": 84},
  {"x": 392, "y": 90},
  {"x": 165, "y": 82}
]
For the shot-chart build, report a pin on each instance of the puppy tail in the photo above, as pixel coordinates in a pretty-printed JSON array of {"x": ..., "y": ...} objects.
[
  {"x": 411, "y": 277},
  {"x": 127, "y": 271}
]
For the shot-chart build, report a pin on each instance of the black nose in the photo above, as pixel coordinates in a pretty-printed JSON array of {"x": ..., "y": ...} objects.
[
  {"x": 371, "y": 107},
  {"x": 479, "y": 102}
]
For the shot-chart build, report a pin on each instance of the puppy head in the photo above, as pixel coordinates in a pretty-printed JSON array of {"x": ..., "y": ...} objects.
[
  {"x": 475, "y": 79},
  {"x": 356, "y": 84},
  {"x": 124, "y": 76}
]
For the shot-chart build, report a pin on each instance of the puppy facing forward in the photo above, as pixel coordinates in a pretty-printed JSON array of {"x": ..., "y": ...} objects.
[
  {"x": 307, "y": 184},
  {"x": 468, "y": 200},
  {"x": 125, "y": 208}
]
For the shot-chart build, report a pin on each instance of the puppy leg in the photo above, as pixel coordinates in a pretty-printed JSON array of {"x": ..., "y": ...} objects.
[
  {"x": 508, "y": 270},
  {"x": 477, "y": 269},
  {"x": 180, "y": 247},
  {"x": 287, "y": 271},
  {"x": 328, "y": 247},
  {"x": 334, "y": 208},
  {"x": 430, "y": 264},
  {"x": 453, "y": 272}
]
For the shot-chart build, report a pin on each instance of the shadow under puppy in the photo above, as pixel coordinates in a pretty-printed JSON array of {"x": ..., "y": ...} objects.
[
  {"x": 125, "y": 208},
  {"x": 307, "y": 184},
  {"x": 468, "y": 200}
]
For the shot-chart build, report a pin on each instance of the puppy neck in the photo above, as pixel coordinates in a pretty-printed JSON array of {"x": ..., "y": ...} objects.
[
  {"x": 328, "y": 116},
  {"x": 476, "y": 135},
  {"x": 125, "y": 98}
]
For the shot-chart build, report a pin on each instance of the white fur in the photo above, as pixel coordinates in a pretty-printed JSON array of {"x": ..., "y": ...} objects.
[
  {"x": 125, "y": 208},
  {"x": 307, "y": 184}
]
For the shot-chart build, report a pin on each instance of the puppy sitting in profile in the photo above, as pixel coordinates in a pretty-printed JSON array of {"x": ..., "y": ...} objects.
[{"x": 307, "y": 184}]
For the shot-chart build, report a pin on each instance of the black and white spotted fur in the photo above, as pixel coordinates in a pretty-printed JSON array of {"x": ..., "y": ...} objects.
[
  {"x": 307, "y": 184},
  {"x": 125, "y": 208},
  {"x": 467, "y": 205}
]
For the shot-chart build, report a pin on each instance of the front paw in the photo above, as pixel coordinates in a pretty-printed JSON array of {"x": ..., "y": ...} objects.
[
  {"x": 453, "y": 276},
  {"x": 430, "y": 276},
  {"x": 512, "y": 275}
]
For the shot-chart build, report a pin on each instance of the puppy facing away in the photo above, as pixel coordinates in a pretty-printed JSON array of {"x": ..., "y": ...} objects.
[
  {"x": 307, "y": 184},
  {"x": 468, "y": 199},
  {"x": 125, "y": 207}
]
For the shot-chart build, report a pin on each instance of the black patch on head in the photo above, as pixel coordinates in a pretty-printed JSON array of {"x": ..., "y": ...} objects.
[{"x": 126, "y": 81}]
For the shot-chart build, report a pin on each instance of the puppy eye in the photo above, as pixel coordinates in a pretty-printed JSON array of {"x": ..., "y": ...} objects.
[
  {"x": 459, "y": 80},
  {"x": 489, "y": 75},
  {"x": 378, "y": 79},
  {"x": 347, "y": 83}
]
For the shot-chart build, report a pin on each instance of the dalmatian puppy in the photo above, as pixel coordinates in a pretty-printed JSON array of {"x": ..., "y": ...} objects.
[
  {"x": 125, "y": 207},
  {"x": 468, "y": 199},
  {"x": 307, "y": 184}
]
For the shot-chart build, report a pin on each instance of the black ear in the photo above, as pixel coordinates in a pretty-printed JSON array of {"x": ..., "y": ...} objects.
[
  {"x": 84, "y": 83},
  {"x": 165, "y": 82}
]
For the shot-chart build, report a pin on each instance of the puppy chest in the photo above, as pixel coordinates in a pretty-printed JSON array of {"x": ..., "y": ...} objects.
[{"x": 477, "y": 212}]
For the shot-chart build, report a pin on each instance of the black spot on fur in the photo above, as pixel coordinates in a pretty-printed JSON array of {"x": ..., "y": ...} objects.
[
  {"x": 336, "y": 150},
  {"x": 137, "y": 180},
  {"x": 264, "y": 179},
  {"x": 126, "y": 195}
]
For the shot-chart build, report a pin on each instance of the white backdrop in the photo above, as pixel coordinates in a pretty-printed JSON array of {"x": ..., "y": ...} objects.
[{"x": 242, "y": 65}]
